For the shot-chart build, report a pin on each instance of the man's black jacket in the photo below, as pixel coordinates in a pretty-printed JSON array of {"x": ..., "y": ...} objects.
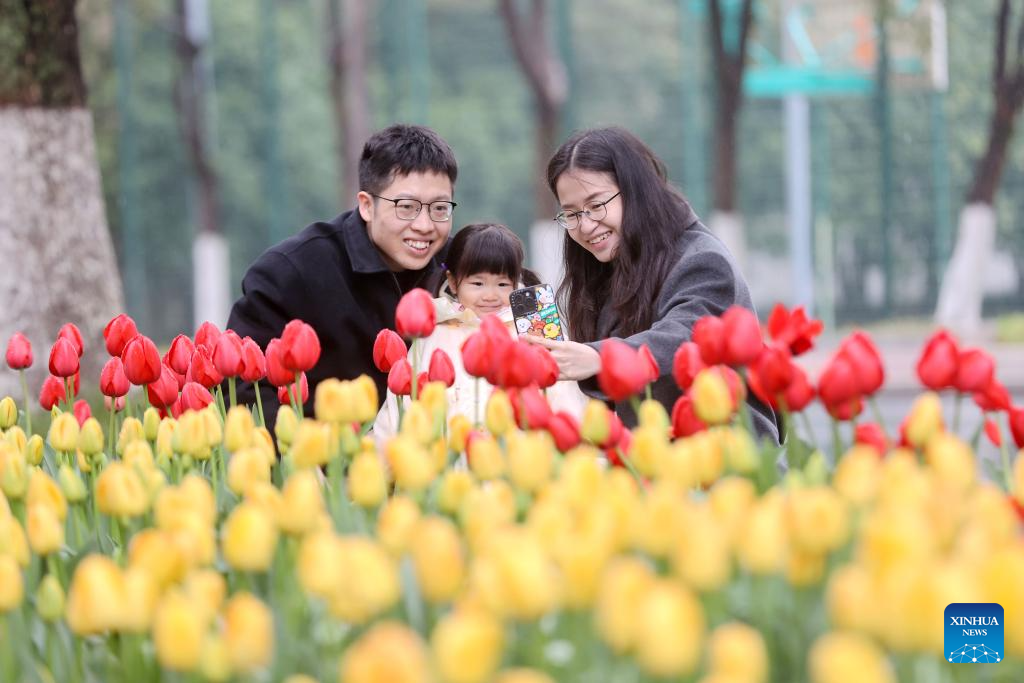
[{"x": 331, "y": 276}]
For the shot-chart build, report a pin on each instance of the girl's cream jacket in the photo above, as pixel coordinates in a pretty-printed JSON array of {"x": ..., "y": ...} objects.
[{"x": 454, "y": 324}]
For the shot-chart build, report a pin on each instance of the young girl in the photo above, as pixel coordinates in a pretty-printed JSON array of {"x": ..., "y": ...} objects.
[{"x": 484, "y": 265}]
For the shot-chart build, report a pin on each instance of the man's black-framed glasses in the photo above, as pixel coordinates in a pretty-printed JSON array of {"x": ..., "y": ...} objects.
[
  {"x": 595, "y": 211},
  {"x": 408, "y": 209}
]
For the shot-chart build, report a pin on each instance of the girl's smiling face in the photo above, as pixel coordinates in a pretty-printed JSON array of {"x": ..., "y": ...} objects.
[{"x": 482, "y": 293}]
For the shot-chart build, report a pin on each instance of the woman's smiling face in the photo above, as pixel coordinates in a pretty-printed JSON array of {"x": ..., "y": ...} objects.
[{"x": 580, "y": 191}]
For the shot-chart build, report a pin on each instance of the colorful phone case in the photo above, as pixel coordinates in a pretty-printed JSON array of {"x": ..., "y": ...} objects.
[{"x": 535, "y": 312}]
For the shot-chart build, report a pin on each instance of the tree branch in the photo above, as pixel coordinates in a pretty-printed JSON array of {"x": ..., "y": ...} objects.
[
  {"x": 1002, "y": 27},
  {"x": 746, "y": 19}
]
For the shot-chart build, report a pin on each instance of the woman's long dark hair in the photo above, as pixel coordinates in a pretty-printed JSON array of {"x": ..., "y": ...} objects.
[{"x": 653, "y": 215}]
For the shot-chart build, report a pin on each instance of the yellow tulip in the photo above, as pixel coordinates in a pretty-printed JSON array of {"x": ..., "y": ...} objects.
[
  {"x": 762, "y": 541},
  {"x": 193, "y": 537},
  {"x": 804, "y": 568},
  {"x": 33, "y": 450},
  {"x": 857, "y": 474},
  {"x": 455, "y": 484},
  {"x": 16, "y": 437},
  {"x": 434, "y": 398},
  {"x": 13, "y": 542},
  {"x": 179, "y": 632},
  {"x": 596, "y": 423},
  {"x": 737, "y": 652},
  {"x": 498, "y": 415},
  {"x": 410, "y": 464},
  {"x": 8, "y": 412},
  {"x": 999, "y": 577},
  {"x": 701, "y": 556},
  {"x": 90, "y": 437},
  {"x": 817, "y": 519},
  {"x": 459, "y": 428},
  {"x": 659, "y": 520},
  {"x": 313, "y": 445},
  {"x": 531, "y": 458},
  {"x": 653, "y": 415},
  {"x": 731, "y": 499},
  {"x": 582, "y": 553},
  {"x": 165, "y": 437},
  {"x": 248, "y": 633},
  {"x": 467, "y": 646},
  {"x": 42, "y": 490},
  {"x": 515, "y": 577},
  {"x": 396, "y": 522},
  {"x": 924, "y": 420},
  {"x": 367, "y": 581},
  {"x": 238, "y": 429},
  {"x": 214, "y": 663},
  {"x": 486, "y": 459},
  {"x": 649, "y": 450},
  {"x": 366, "y": 399},
  {"x": 131, "y": 430},
  {"x": 581, "y": 476},
  {"x": 150, "y": 423},
  {"x": 250, "y": 538},
  {"x": 302, "y": 503},
  {"x": 851, "y": 599},
  {"x": 712, "y": 399},
  {"x": 284, "y": 426},
  {"x": 319, "y": 554},
  {"x": 97, "y": 596},
  {"x": 206, "y": 590},
  {"x": 267, "y": 496},
  {"x": 13, "y": 472},
  {"x": 670, "y": 630},
  {"x": 262, "y": 440},
  {"x": 189, "y": 435},
  {"x": 951, "y": 460},
  {"x": 246, "y": 467},
  {"x": 418, "y": 424},
  {"x": 12, "y": 585},
  {"x": 71, "y": 485},
  {"x": 50, "y": 598},
  {"x": 120, "y": 491},
  {"x": 192, "y": 496},
  {"x": 63, "y": 434},
  {"x": 332, "y": 401},
  {"x": 139, "y": 456},
  {"x": 141, "y": 595},
  {"x": 154, "y": 552},
  {"x": 45, "y": 530},
  {"x": 487, "y": 509},
  {"x": 738, "y": 449},
  {"x": 367, "y": 481},
  {"x": 523, "y": 676},
  {"x": 438, "y": 558},
  {"x": 390, "y": 652},
  {"x": 848, "y": 658}
]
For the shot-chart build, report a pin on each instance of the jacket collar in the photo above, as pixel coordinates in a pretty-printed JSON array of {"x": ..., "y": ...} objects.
[{"x": 362, "y": 253}]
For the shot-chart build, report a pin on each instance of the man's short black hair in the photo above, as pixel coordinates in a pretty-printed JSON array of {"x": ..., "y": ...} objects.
[{"x": 402, "y": 149}]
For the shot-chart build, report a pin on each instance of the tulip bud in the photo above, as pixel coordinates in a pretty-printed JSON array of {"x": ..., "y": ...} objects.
[
  {"x": 454, "y": 486},
  {"x": 670, "y": 630},
  {"x": 387, "y": 349},
  {"x": 42, "y": 490},
  {"x": 596, "y": 424},
  {"x": 467, "y": 645},
  {"x": 652, "y": 414},
  {"x": 189, "y": 435},
  {"x": 499, "y": 417},
  {"x": 214, "y": 663},
  {"x": 531, "y": 458},
  {"x": 367, "y": 481},
  {"x": 45, "y": 531},
  {"x": 131, "y": 430},
  {"x": 254, "y": 363},
  {"x": 119, "y": 331},
  {"x": 141, "y": 361},
  {"x": 63, "y": 359},
  {"x": 13, "y": 472},
  {"x": 248, "y": 633},
  {"x": 415, "y": 315},
  {"x": 165, "y": 437},
  {"x": 50, "y": 599},
  {"x": 924, "y": 420},
  {"x": 300, "y": 347},
  {"x": 396, "y": 523},
  {"x": 737, "y": 651},
  {"x": 245, "y": 468},
  {"x": 285, "y": 426},
  {"x": 120, "y": 491},
  {"x": 150, "y": 423},
  {"x": 19, "y": 352},
  {"x": 840, "y": 657},
  {"x": 418, "y": 424},
  {"x": 8, "y": 412},
  {"x": 388, "y": 646},
  {"x": 96, "y": 597},
  {"x": 486, "y": 459},
  {"x": 63, "y": 434},
  {"x": 410, "y": 463},
  {"x": 71, "y": 484},
  {"x": 302, "y": 503},
  {"x": 314, "y": 445},
  {"x": 227, "y": 354},
  {"x": 179, "y": 632},
  {"x": 712, "y": 400},
  {"x": 249, "y": 538},
  {"x": 90, "y": 437},
  {"x": 12, "y": 585}
]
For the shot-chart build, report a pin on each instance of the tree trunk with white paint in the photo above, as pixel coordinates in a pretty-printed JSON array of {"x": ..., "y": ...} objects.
[
  {"x": 962, "y": 290},
  {"x": 58, "y": 260}
]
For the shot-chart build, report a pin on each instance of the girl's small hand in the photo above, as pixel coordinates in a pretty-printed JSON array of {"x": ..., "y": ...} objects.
[{"x": 575, "y": 361}]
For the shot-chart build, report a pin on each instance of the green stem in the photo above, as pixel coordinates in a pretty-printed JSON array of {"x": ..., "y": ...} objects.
[
  {"x": 837, "y": 442},
  {"x": 1004, "y": 453},
  {"x": 809, "y": 427},
  {"x": 231, "y": 391},
  {"x": 294, "y": 393},
  {"x": 259, "y": 403},
  {"x": 415, "y": 368},
  {"x": 28, "y": 405},
  {"x": 110, "y": 427},
  {"x": 69, "y": 385},
  {"x": 877, "y": 412}
]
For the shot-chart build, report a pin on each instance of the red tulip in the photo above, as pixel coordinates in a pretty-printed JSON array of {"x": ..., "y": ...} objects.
[
  {"x": 52, "y": 392},
  {"x": 164, "y": 391},
  {"x": 202, "y": 369},
  {"x": 743, "y": 341},
  {"x": 113, "y": 381},
  {"x": 793, "y": 329},
  {"x": 994, "y": 398},
  {"x": 179, "y": 356},
  {"x": 847, "y": 410},
  {"x": 618, "y": 435},
  {"x": 207, "y": 335},
  {"x": 119, "y": 331},
  {"x": 182, "y": 380},
  {"x": 254, "y": 363},
  {"x": 277, "y": 373},
  {"x": 514, "y": 367},
  {"x": 993, "y": 432},
  {"x": 476, "y": 354},
  {"x": 653, "y": 371},
  {"x": 300, "y": 347},
  {"x": 415, "y": 315},
  {"x": 400, "y": 378},
  {"x": 684, "y": 420},
  {"x": 81, "y": 411},
  {"x": 975, "y": 371},
  {"x": 771, "y": 374},
  {"x": 387, "y": 348},
  {"x": 1017, "y": 425},
  {"x": 421, "y": 381},
  {"x": 441, "y": 368},
  {"x": 141, "y": 361},
  {"x": 799, "y": 393},
  {"x": 530, "y": 407},
  {"x": 838, "y": 381},
  {"x": 872, "y": 434},
  {"x": 63, "y": 358},
  {"x": 19, "y": 352},
  {"x": 195, "y": 397},
  {"x": 686, "y": 363},
  {"x": 284, "y": 393},
  {"x": 709, "y": 335},
  {"x": 117, "y": 403},
  {"x": 1018, "y": 509},
  {"x": 937, "y": 367},
  {"x": 71, "y": 332},
  {"x": 867, "y": 364},
  {"x": 565, "y": 430},
  {"x": 227, "y": 354},
  {"x": 546, "y": 371},
  {"x": 623, "y": 373}
]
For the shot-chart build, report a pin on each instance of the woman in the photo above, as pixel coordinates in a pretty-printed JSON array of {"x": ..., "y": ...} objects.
[{"x": 639, "y": 265}]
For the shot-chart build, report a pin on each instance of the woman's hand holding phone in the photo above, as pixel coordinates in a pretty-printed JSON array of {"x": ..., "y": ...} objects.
[{"x": 575, "y": 361}]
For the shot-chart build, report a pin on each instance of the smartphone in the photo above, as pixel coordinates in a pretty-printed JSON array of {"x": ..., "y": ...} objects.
[{"x": 535, "y": 312}]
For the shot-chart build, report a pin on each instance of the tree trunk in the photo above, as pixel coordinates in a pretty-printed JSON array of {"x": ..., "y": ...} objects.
[
  {"x": 962, "y": 291},
  {"x": 210, "y": 252},
  {"x": 347, "y": 28},
  {"x": 60, "y": 264}
]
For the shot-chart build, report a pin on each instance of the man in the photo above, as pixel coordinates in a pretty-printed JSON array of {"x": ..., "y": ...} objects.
[{"x": 345, "y": 277}]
